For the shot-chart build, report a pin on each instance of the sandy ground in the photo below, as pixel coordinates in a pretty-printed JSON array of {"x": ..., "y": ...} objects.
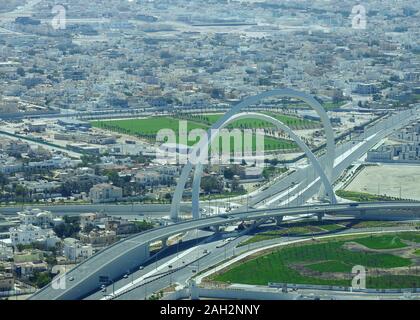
[{"x": 388, "y": 180}]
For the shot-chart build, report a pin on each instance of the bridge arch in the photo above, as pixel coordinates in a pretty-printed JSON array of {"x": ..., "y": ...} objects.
[{"x": 330, "y": 153}]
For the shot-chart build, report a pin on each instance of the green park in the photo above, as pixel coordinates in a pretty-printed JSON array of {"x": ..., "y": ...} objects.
[{"x": 391, "y": 261}]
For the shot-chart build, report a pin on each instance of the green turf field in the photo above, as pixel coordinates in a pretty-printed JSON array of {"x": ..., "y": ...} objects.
[
  {"x": 148, "y": 128},
  {"x": 294, "y": 229},
  {"x": 383, "y": 242},
  {"x": 363, "y": 196},
  {"x": 330, "y": 266},
  {"x": 291, "y": 121},
  {"x": 289, "y": 263},
  {"x": 410, "y": 236}
]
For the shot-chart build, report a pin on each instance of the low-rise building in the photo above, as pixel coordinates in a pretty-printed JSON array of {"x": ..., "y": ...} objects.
[
  {"x": 75, "y": 250},
  {"x": 99, "y": 237},
  {"x": 27, "y": 269},
  {"x": 38, "y": 217},
  {"x": 105, "y": 193},
  {"x": 6, "y": 252},
  {"x": 87, "y": 219},
  {"x": 7, "y": 281},
  {"x": 379, "y": 155},
  {"x": 251, "y": 173},
  {"x": 26, "y": 234},
  {"x": 120, "y": 226}
]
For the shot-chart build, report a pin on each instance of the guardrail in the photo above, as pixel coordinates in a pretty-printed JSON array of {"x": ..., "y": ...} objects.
[
  {"x": 157, "y": 277},
  {"x": 251, "y": 215},
  {"x": 290, "y": 286}
]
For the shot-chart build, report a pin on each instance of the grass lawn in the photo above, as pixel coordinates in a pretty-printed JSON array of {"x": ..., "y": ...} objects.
[
  {"x": 375, "y": 224},
  {"x": 331, "y": 105},
  {"x": 330, "y": 266},
  {"x": 331, "y": 227},
  {"x": 273, "y": 234},
  {"x": 295, "y": 229},
  {"x": 382, "y": 242},
  {"x": 270, "y": 268},
  {"x": 291, "y": 121},
  {"x": 362, "y": 196},
  {"x": 410, "y": 236},
  {"x": 221, "y": 195},
  {"x": 149, "y": 127},
  {"x": 329, "y": 256}
]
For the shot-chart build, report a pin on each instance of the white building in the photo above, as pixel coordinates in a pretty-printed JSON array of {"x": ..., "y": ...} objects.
[
  {"x": 55, "y": 162},
  {"x": 38, "y": 217},
  {"x": 27, "y": 234},
  {"x": 105, "y": 193},
  {"x": 74, "y": 250},
  {"x": 6, "y": 252},
  {"x": 148, "y": 178}
]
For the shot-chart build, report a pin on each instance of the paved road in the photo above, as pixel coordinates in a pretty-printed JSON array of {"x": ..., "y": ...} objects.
[
  {"x": 111, "y": 209},
  {"x": 307, "y": 184},
  {"x": 216, "y": 255},
  {"x": 281, "y": 193},
  {"x": 346, "y": 154},
  {"x": 118, "y": 253}
]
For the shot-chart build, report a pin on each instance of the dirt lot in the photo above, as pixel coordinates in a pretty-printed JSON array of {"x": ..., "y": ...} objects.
[{"x": 388, "y": 179}]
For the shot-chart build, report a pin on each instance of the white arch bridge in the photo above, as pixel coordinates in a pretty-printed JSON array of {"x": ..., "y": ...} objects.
[{"x": 234, "y": 114}]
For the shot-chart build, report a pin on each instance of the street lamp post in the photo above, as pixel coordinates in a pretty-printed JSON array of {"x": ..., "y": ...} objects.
[{"x": 170, "y": 275}]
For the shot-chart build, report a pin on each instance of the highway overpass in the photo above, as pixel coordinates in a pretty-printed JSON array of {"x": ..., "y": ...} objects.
[{"x": 114, "y": 261}]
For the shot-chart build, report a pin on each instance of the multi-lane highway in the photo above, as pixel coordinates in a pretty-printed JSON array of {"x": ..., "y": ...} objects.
[
  {"x": 135, "y": 209},
  {"x": 278, "y": 200},
  {"x": 300, "y": 186},
  {"x": 293, "y": 190},
  {"x": 116, "y": 259},
  {"x": 127, "y": 254}
]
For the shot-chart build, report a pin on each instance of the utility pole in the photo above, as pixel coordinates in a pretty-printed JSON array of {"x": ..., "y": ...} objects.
[
  {"x": 170, "y": 275},
  {"x": 145, "y": 290},
  {"x": 177, "y": 248}
]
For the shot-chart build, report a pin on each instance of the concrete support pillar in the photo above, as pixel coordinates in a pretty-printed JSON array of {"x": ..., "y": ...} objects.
[
  {"x": 194, "y": 291},
  {"x": 320, "y": 216},
  {"x": 279, "y": 220},
  {"x": 164, "y": 242},
  {"x": 145, "y": 252}
]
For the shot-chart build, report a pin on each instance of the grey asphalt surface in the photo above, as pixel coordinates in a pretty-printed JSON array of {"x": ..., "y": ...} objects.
[
  {"x": 118, "y": 250},
  {"x": 304, "y": 175},
  {"x": 219, "y": 255},
  {"x": 155, "y": 210},
  {"x": 307, "y": 175}
]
